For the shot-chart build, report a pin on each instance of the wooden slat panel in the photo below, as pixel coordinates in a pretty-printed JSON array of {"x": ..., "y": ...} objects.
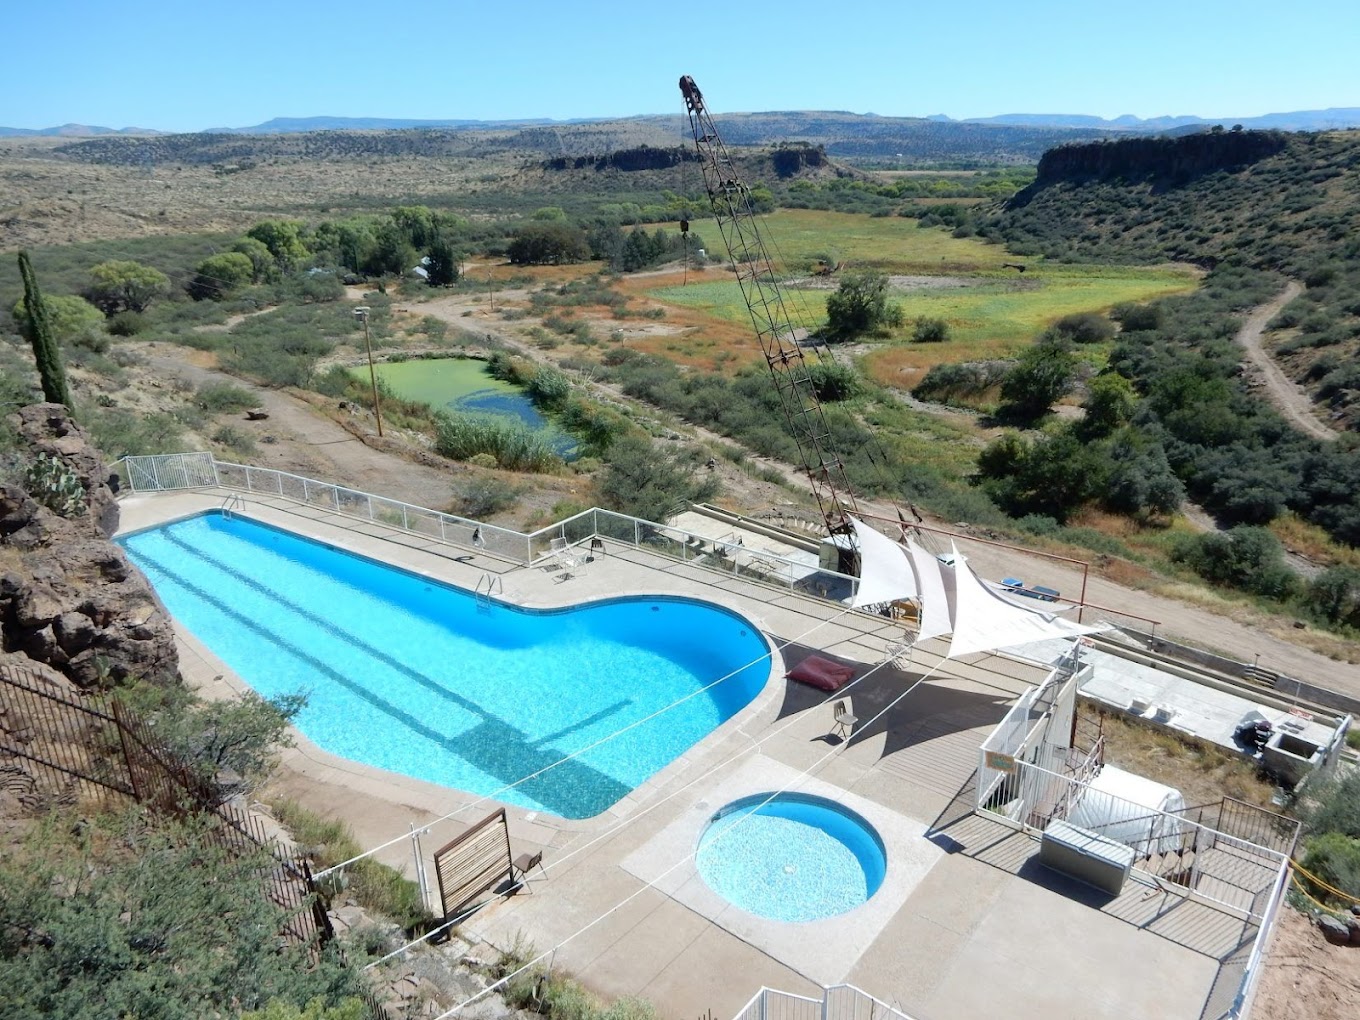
[{"x": 476, "y": 861}]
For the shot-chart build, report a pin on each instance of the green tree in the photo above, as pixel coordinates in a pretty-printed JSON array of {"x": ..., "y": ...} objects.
[
  {"x": 548, "y": 242},
  {"x": 71, "y": 317},
  {"x": 126, "y": 286},
  {"x": 1140, "y": 480},
  {"x": 38, "y": 329},
  {"x": 392, "y": 254},
  {"x": 240, "y": 735},
  {"x": 1053, "y": 475},
  {"x": 653, "y": 483},
  {"x": 859, "y": 306},
  {"x": 219, "y": 275},
  {"x": 261, "y": 259},
  {"x": 1335, "y": 595},
  {"x": 1110, "y": 400},
  {"x": 283, "y": 238},
  {"x": 444, "y": 263},
  {"x": 1043, "y": 374},
  {"x": 417, "y": 223}
]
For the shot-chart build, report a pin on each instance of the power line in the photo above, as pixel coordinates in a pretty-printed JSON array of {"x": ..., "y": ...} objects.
[
  {"x": 582, "y": 750},
  {"x": 689, "y": 856}
]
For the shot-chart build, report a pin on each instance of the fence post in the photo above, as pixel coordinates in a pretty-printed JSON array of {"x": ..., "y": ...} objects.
[
  {"x": 421, "y": 880},
  {"x": 127, "y": 752}
]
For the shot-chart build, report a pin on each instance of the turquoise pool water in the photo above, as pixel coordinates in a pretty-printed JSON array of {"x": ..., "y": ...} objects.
[
  {"x": 410, "y": 675},
  {"x": 791, "y": 857}
]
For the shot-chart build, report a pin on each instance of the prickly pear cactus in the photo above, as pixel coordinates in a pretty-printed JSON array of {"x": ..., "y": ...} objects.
[{"x": 53, "y": 484}]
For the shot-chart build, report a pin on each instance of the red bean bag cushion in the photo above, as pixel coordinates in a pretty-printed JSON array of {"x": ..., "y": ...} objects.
[{"x": 821, "y": 673}]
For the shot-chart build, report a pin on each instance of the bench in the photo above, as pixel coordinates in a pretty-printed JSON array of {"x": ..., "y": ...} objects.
[{"x": 1086, "y": 856}]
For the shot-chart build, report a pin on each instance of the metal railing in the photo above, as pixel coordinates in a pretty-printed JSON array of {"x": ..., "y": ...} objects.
[
  {"x": 1217, "y": 866},
  {"x": 590, "y": 527},
  {"x": 839, "y": 1002}
]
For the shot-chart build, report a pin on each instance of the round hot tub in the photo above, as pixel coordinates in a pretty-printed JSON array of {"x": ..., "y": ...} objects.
[{"x": 791, "y": 857}]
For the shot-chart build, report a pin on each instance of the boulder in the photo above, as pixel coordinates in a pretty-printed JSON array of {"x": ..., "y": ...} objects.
[
  {"x": 1338, "y": 933},
  {"x": 70, "y": 598},
  {"x": 50, "y": 429}
]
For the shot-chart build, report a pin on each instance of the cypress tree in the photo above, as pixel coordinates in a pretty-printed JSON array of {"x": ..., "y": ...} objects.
[{"x": 45, "y": 351}]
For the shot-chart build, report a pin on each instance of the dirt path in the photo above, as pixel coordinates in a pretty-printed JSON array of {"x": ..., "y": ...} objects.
[
  {"x": 298, "y": 437},
  {"x": 1271, "y": 641},
  {"x": 310, "y": 440},
  {"x": 1284, "y": 393}
]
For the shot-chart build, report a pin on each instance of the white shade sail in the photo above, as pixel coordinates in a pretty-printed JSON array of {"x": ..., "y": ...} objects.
[
  {"x": 984, "y": 621},
  {"x": 885, "y": 575},
  {"x": 937, "y": 603}
]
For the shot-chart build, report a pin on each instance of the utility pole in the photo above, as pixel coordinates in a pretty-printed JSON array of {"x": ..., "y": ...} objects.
[{"x": 361, "y": 313}]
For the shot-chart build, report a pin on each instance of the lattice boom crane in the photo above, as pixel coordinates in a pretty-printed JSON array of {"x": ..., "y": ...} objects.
[{"x": 738, "y": 224}]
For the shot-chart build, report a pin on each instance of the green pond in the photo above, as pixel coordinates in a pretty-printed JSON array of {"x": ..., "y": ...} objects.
[{"x": 465, "y": 385}]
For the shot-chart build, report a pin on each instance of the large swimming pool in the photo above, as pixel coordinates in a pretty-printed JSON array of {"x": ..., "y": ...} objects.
[{"x": 411, "y": 675}]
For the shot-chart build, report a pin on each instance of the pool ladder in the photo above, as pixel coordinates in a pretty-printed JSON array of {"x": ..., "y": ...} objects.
[
  {"x": 486, "y": 585},
  {"x": 232, "y": 502}
]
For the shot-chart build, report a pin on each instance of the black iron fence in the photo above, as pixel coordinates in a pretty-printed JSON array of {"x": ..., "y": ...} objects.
[{"x": 57, "y": 745}]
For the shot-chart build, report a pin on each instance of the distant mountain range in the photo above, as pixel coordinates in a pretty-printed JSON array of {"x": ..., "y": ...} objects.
[
  {"x": 1300, "y": 120},
  {"x": 73, "y": 131}
]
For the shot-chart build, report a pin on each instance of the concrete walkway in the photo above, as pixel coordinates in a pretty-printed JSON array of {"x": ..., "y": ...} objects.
[{"x": 969, "y": 925}]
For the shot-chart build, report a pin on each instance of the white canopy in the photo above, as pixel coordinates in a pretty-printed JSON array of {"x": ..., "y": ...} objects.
[
  {"x": 884, "y": 573},
  {"x": 984, "y": 621},
  {"x": 937, "y": 602}
]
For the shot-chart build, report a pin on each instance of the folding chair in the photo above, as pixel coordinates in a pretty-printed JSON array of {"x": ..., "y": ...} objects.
[
  {"x": 525, "y": 863},
  {"x": 845, "y": 720}
]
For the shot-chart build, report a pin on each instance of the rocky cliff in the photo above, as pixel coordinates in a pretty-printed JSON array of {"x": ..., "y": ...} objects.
[{"x": 69, "y": 597}]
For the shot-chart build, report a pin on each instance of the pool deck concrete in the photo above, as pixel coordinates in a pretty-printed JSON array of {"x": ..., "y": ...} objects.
[{"x": 974, "y": 926}]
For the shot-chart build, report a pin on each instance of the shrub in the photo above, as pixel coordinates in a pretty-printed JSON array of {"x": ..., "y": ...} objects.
[
  {"x": 373, "y": 885},
  {"x": 126, "y": 323},
  {"x": 122, "y": 915},
  {"x": 480, "y": 498},
  {"x": 235, "y": 439},
  {"x": 1334, "y": 858},
  {"x": 1134, "y": 317},
  {"x": 1085, "y": 328},
  {"x": 833, "y": 380},
  {"x": 1248, "y": 558},
  {"x": 548, "y": 388},
  {"x": 930, "y": 330},
  {"x": 515, "y": 447},
  {"x": 222, "y": 397}
]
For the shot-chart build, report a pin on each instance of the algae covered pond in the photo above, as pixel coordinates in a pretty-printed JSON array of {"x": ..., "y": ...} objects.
[{"x": 464, "y": 385}]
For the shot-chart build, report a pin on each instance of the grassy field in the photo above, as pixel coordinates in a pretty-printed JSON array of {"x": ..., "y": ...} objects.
[{"x": 992, "y": 312}]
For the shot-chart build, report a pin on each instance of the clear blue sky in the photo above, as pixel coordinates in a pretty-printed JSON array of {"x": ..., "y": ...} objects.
[{"x": 188, "y": 66}]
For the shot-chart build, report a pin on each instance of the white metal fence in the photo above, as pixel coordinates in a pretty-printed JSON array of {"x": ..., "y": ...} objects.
[
  {"x": 200, "y": 470},
  {"x": 839, "y": 1002},
  {"x": 1221, "y": 868}
]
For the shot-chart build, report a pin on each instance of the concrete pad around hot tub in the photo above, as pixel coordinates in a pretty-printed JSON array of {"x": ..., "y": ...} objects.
[{"x": 824, "y": 950}]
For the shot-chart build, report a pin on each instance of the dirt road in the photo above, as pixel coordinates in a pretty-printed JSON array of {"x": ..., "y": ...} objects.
[
  {"x": 310, "y": 441},
  {"x": 1289, "y": 399}
]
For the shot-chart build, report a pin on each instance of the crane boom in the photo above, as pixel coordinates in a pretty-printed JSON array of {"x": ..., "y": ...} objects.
[{"x": 740, "y": 229}]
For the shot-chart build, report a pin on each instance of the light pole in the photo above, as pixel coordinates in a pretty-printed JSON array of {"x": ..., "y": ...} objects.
[{"x": 361, "y": 313}]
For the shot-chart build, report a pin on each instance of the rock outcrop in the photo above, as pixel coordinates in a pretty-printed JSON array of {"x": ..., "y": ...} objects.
[{"x": 69, "y": 597}]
